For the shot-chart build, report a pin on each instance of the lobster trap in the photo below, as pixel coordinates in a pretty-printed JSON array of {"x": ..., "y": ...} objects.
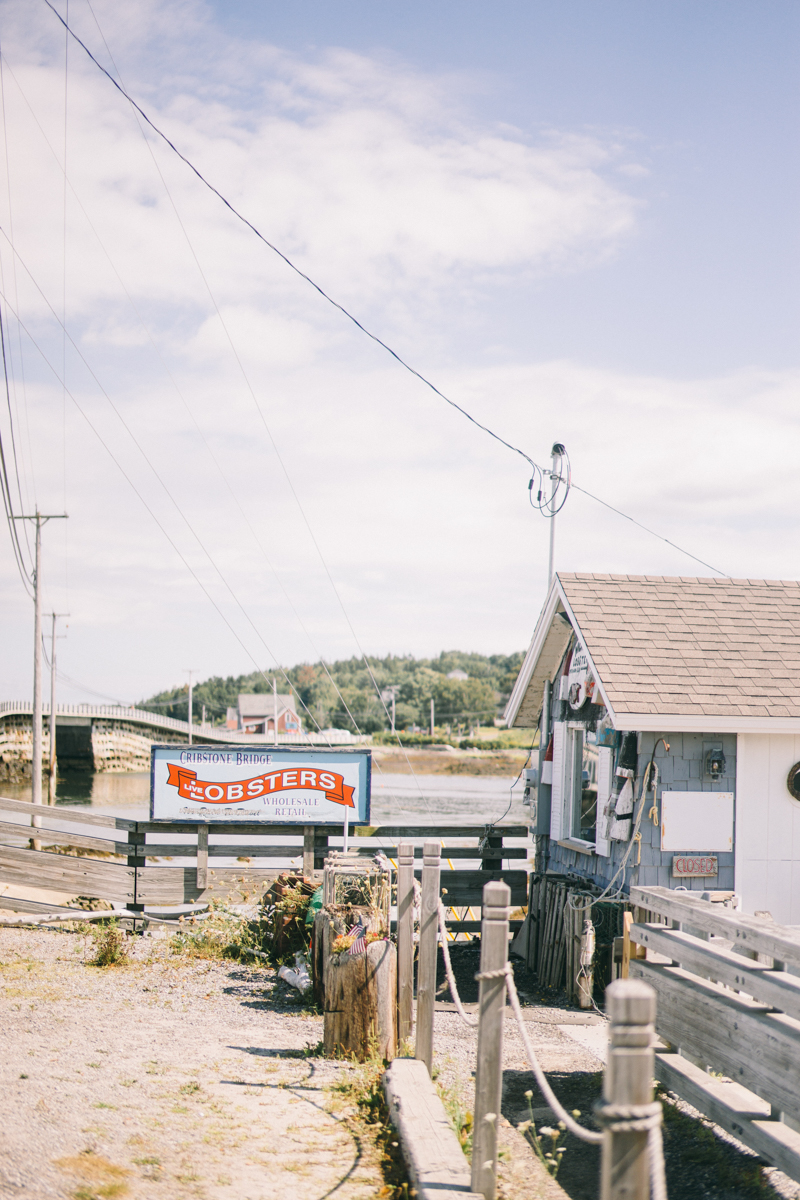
[{"x": 359, "y": 886}]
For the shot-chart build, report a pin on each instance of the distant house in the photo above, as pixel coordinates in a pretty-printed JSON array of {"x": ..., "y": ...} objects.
[
  {"x": 255, "y": 713},
  {"x": 458, "y": 674},
  {"x": 620, "y": 665}
]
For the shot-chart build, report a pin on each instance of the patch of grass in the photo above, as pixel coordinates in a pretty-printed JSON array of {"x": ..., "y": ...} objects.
[
  {"x": 99, "y": 1178},
  {"x": 460, "y": 1116},
  {"x": 222, "y": 934},
  {"x": 714, "y": 1165},
  {"x": 110, "y": 946},
  {"x": 364, "y": 1089},
  {"x": 189, "y": 1089}
]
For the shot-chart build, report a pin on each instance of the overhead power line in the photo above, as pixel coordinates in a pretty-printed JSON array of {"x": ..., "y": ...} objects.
[
  {"x": 293, "y": 266},
  {"x": 535, "y": 468}
]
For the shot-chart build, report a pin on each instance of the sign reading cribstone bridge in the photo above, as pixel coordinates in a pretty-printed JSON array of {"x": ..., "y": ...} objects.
[{"x": 228, "y": 783}]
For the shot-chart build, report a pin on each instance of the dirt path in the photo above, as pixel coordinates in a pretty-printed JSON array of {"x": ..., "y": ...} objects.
[{"x": 165, "y": 1078}]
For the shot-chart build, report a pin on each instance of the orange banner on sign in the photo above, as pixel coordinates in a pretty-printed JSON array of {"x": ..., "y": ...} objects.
[{"x": 284, "y": 780}]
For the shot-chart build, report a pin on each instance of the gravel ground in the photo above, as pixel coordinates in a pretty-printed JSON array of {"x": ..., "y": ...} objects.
[
  {"x": 165, "y": 1078},
  {"x": 176, "y": 1077},
  {"x": 702, "y": 1161}
]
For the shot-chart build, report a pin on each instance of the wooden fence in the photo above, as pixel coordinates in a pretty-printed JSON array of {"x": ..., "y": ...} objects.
[
  {"x": 729, "y": 1002},
  {"x": 123, "y": 861}
]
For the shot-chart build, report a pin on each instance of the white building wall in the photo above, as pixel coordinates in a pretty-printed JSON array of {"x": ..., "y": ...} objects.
[{"x": 767, "y": 826}]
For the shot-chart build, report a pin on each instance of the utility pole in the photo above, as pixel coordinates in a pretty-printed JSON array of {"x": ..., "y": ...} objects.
[
  {"x": 393, "y": 710},
  {"x": 53, "y": 765},
  {"x": 431, "y": 716},
  {"x": 36, "y": 765},
  {"x": 275, "y": 709},
  {"x": 555, "y": 478},
  {"x": 190, "y": 672}
]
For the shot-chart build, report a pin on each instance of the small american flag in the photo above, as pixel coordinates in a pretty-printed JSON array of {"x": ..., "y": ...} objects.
[{"x": 359, "y": 946}]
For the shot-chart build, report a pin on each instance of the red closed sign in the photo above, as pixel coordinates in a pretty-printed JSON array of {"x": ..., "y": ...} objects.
[{"x": 694, "y": 865}]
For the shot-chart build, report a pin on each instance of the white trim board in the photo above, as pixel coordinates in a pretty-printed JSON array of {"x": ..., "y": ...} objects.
[{"x": 706, "y": 723}]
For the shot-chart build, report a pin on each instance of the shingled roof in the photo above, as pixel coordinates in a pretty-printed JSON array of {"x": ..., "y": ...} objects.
[{"x": 711, "y": 654}]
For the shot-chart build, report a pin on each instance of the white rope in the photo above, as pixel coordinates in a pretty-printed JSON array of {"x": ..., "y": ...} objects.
[
  {"x": 614, "y": 1118},
  {"x": 448, "y": 966}
]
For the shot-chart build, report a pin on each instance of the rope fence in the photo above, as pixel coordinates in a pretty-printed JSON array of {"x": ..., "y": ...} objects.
[{"x": 630, "y": 1137}]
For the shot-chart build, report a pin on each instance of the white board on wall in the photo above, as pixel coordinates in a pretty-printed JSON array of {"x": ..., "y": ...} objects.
[{"x": 697, "y": 821}]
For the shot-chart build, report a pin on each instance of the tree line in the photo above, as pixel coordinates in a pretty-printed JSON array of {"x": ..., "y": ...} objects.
[{"x": 346, "y": 695}]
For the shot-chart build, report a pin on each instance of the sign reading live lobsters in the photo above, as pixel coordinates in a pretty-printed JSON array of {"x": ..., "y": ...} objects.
[{"x": 214, "y": 784}]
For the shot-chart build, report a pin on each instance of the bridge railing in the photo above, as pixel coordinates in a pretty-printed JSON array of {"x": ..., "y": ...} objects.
[{"x": 142, "y": 716}]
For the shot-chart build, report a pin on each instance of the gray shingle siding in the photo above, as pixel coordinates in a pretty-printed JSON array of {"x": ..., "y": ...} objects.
[{"x": 680, "y": 770}]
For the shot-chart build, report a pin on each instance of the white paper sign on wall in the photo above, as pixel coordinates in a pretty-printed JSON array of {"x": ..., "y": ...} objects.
[{"x": 697, "y": 821}]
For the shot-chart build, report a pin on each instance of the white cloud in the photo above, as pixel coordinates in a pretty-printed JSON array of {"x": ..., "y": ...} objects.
[{"x": 394, "y": 194}]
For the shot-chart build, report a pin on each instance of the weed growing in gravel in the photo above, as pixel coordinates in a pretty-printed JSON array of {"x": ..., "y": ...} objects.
[
  {"x": 110, "y": 946},
  {"x": 460, "y": 1116},
  {"x": 222, "y": 934},
  {"x": 363, "y": 1088},
  {"x": 549, "y": 1158}
]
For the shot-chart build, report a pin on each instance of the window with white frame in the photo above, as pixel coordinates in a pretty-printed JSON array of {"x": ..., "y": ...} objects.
[{"x": 574, "y": 798}]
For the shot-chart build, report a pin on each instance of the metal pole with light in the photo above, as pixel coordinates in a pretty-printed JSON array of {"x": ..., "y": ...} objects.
[{"x": 557, "y": 454}]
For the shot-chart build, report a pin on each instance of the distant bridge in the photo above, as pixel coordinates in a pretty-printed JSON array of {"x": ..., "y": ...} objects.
[{"x": 113, "y": 737}]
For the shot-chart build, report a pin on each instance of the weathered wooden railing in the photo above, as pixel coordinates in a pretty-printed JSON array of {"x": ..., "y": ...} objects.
[
  {"x": 728, "y": 1001},
  {"x": 125, "y": 859},
  {"x": 632, "y": 1165}
]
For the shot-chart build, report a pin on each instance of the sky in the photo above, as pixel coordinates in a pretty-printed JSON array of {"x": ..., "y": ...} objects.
[{"x": 578, "y": 221}]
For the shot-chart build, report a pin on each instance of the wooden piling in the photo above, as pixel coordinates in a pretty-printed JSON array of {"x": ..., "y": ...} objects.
[
  {"x": 309, "y": 849},
  {"x": 491, "y": 1005},
  {"x": 628, "y": 1080},
  {"x": 202, "y": 857},
  {"x": 428, "y": 951},
  {"x": 405, "y": 941}
]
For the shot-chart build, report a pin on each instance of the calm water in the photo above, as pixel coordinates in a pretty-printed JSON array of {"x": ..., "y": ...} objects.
[{"x": 395, "y": 798}]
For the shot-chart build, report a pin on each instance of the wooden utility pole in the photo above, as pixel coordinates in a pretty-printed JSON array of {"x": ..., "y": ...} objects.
[
  {"x": 190, "y": 672},
  {"x": 432, "y": 714},
  {"x": 275, "y": 714},
  {"x": 428, "y": 951},
  {"x": 36, "y": 764},
  {"x": 491, "y": 1014},
  {"x": 53, "y": 764}
]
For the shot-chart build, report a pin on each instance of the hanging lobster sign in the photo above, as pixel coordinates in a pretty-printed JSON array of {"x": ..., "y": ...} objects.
[
  {"x": 214, "y": 784},
  {"x": 580, "y": 681}
]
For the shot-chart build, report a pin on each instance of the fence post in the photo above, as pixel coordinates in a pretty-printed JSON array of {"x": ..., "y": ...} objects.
[
  {"x": 491, "y": 1006},
  {"x": 405, "y": 941},
  {"x": 202, "y": 857},
  {"x": 428, "y": 943},
  {"x": 631, "y": 1008},
  {"x": 309, "y": 840},
  {"x": 137, "y": 859}
]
